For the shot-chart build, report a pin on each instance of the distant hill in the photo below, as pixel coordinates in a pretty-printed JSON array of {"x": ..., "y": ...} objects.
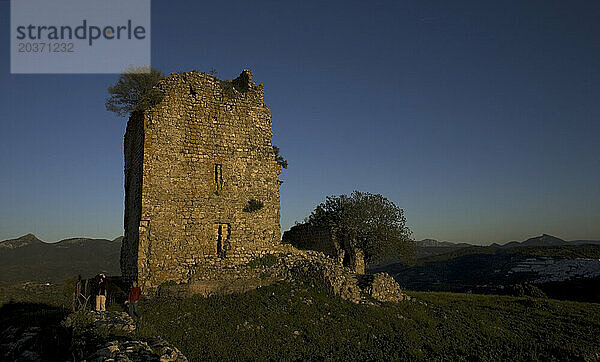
[
  {"x": 27, "y": 258},
  {"x": 429, "y": 250},
  {"x": 584, "y": 242},
  {"x": 431, "y": 247},
  {"x": 24, "y": 240},
  {"x": 546, "y": 240},
  {"x": 543, "y": 240},
  {"x": 429, "y": 243}
]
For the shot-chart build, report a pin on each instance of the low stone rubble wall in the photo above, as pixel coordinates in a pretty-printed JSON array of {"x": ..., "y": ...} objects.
[
  {"x": 289, "y": 264},
  {"x": 220, "y": 281},
  {"x": 327, "y": 241},
  {"x": 101, "y": 336},
  {"x": 386, "y": 289},
  {"x": 315, "y": 268}
]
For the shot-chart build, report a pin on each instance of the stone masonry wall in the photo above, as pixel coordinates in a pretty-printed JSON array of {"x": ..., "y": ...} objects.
[
  {"x": 308, "y": 237},
  {"x": 327, "y": 241},
  {"x": 206, "y": 152},
  {"x": 133, "y": 149}
]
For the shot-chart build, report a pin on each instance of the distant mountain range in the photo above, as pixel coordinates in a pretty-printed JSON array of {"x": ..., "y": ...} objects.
[
  {"x": 432, "y": 243},
  {"x": 547, "y": 240},
  {"x": 430, "y": 247},
  {"x": 31, "y": 239},
  {"x": 27, "y": 258}
]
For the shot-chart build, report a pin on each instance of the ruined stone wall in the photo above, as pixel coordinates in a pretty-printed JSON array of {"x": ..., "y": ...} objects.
[
  {"x": 308, "y": 237},
  {"x": 134, "y": 153},
  {"x": 327, "y": 241},
  {"x": 206, "y": 153}
]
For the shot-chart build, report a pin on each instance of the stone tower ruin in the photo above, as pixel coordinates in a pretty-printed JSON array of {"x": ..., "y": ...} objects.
[{"x": 201, "y": 179}]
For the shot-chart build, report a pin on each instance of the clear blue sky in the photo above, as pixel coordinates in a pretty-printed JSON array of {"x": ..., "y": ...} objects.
[{"x": 480, "y": 119}]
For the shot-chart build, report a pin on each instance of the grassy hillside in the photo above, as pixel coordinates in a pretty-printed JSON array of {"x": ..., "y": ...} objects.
[{"x": 294, "y": 322}]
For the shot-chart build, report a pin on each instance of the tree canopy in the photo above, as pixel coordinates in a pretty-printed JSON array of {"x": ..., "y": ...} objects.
[
  {"x": 370, "y": 222},
  {"x": 135, "y": 90}
]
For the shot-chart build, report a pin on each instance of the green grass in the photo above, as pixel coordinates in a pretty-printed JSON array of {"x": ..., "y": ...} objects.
[
  {"x": 58, "y": 295},
  {"x": 286, "y": 321}
]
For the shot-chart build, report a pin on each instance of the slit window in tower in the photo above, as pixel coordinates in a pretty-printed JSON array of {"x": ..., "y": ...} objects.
[{"x": 219, "y": 177}]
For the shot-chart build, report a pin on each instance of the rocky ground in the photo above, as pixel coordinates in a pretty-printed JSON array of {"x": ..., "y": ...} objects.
[
  {"x": 32, "y": 332},
  {"x": 86, "y": 335},
  {"x": 109, "y": 336}
]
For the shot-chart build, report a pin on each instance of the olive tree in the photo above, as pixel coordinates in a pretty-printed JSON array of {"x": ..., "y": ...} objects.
[
  {"x": 135, "y": 90},
  {"x": 368, "y": 221}
]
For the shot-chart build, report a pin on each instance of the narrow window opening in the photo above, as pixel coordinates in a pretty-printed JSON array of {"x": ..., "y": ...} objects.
[
  {"x": 223, "y": 244},
  {"x": 220, "y": 248},
  {"x": 219, "y": 177}
]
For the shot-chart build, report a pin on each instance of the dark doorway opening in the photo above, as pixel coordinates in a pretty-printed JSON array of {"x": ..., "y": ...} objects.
[{"x": 223, "y": 231}]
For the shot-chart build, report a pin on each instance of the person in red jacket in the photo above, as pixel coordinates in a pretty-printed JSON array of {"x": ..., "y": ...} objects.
[{"x": 134, "y": 297}]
